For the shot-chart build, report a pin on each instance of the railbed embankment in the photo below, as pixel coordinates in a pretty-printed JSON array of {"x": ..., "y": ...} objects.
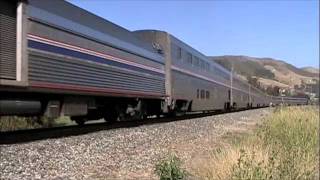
[{"x": 124, "y": 153}]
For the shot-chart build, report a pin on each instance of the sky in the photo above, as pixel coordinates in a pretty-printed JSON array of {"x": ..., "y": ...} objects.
[{"x": 287, "y": 30}]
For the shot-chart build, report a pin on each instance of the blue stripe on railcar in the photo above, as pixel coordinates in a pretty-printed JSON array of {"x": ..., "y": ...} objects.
[{"x": 84, "y": 56}]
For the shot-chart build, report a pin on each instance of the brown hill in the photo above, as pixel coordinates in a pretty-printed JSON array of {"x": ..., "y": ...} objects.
[
  {"x": 311, "y": 70},
  {"x": 271, "y": 72}
]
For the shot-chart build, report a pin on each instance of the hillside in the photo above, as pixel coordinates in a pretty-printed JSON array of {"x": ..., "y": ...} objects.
[
  {"x": 270, "y": 72},
  {"x": 311, "y": 70}
]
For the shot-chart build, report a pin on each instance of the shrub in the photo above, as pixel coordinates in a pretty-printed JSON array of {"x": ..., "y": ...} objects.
[
  {"x": 16, "y": 123},
  {"x": 11, "y": 123},
  {"x": 285, "y": 146},
  {"x": 170, "y": 169},
  {"x": 293, "y": 135}
]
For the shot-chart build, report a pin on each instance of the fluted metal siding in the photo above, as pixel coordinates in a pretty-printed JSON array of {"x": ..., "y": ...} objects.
[
  {"x": 7, "y": 40},
  {"x": 45, "y": 68},
  {"x": 62, "y": 14}
]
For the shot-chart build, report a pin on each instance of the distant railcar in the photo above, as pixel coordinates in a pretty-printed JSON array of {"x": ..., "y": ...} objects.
[{"x": 194, "y": 83}]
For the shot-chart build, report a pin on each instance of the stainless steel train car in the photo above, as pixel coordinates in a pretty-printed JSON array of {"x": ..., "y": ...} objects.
[
  {"x": 60, "y": 60},
  {"x": 194, "y": 83},
  {"x": 190, "y": 85}
]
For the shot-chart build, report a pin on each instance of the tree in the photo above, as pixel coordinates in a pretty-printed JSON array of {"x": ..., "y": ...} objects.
[
  {"x": 276, "y": 91},
  {"x": 269, "y": 90}
]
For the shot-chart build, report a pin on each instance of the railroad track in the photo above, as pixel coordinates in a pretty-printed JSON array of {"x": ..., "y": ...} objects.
[{"x": 22, "y": 136}]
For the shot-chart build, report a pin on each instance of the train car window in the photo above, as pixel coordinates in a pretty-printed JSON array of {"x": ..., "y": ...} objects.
[
  {"x": 207, "y": 94},
  {"x": 213, "y": 92},
  {"x": 189, "y": 58},
  {"x": 179, "y": 53},
  {"x": 202, "y": 95},
  {"x": 195, "y": 61},
  {"x": 198, "y": 93},
  {"x": 225, "y": 75},
  {"x": 207, "y": 66},
  {"x": 214, "y": 70},
  {"x": 202, "y": 64},
  {"x": 217, "y": 70}
]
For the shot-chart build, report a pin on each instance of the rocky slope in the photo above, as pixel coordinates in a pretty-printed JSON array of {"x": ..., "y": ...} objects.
[
  {"x": 311, "y": 70},
  {"x": 271, "y": 72}
]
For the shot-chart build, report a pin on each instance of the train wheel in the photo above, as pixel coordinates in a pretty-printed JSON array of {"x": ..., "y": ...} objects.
[
  {"x": 234, "y": 106},
  {"x": 228, "y": 107},
  {"x": 80, "y": 120},
  {"x": 144, "y": 116},
  {"x": 140, "y": 111},
  {"x": 248, "y": 106},
  {"x": 111, "y": 116}
]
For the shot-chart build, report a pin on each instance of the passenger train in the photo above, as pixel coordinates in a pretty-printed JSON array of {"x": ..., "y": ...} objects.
[{"x": 60, "y": 60}]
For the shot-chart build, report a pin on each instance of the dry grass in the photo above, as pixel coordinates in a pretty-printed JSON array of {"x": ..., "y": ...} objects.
[
  {"x": 285, "y": 146},
  {"x": 11, "y": 123},
  {"x": 220, "y": 163}
]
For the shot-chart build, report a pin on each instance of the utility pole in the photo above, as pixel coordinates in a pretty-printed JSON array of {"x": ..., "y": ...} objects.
[
  {"x": 249, "y": 94},
  {"x": 231, "y": 85}
]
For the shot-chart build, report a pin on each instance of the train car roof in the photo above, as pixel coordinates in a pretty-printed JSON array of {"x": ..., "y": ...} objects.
[
  {"x": 187, "y": 47},
  {"x": 77, "y": 20}
]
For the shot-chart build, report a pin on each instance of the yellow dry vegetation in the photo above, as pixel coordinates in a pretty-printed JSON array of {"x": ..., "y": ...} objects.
[{"x": 284, "y": 146}]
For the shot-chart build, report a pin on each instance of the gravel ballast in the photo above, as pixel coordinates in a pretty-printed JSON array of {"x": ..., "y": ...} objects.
[{"x": 127, "y": 153}]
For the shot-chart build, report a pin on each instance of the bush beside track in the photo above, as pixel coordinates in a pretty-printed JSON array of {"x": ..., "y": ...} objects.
[
  {"x": 12, "y": 123},
  {"x": 284, "y": 146}
]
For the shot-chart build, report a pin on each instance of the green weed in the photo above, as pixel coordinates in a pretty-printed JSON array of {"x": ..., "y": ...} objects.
[{"x": 170, "y": 169}]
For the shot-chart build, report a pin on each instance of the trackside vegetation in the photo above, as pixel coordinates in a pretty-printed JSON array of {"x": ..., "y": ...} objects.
[
  {"x": 12, "y": 123},
  {"x": 170, "y": 168},
  {"x": 284, "y": 146}
]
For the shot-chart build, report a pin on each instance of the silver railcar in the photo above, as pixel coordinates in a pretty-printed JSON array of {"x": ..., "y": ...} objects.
[
  {"x": 58, "y": 59},
  {"x": 194, "y": 83}
]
